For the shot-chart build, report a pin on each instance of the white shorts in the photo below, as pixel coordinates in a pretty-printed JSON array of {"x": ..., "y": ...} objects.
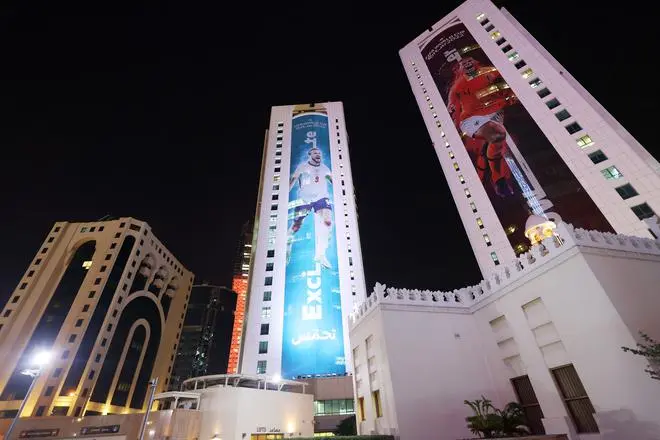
[{"x": 472, "y": 124}]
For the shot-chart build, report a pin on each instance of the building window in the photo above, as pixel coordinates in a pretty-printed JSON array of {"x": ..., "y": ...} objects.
[
  {"x": 487, "y": 240},
  {"x": 575, "y": 398},
  {"x": 15, "y": 299},
  {"x": 361, "y": 414},
  {"x": 265, "y": 312},
  {"x": 268, "y": 281},
  {"x": 507, "y": 48},
  {"x": 573, "y": 128},
  {"x": 264, "y": 329},
  {"x": 273, "y": 207},
  {"x": 269, "y": 268},
  {"x": 626, "y": 191},
  {"x": 275, "y": 197},
  {"x": 584, "y": 141},
  {"x": 535, "y": 83},
  {"x": 79, "y": 323},
  {"x": 554, "y": 102},
  {"x": 91, "y": 294},
  {"x": 44, "y": 250},
  {"x": 65, "y": 354},
  {"x": 513, "y": 56},
  {"x": 49, "y": 391},
  {"x": 500, "y": 42},
  {"x": 473, "y": 207},
  {"x": 480, "y": 223},
  {"x": 7, "y": 313},
  {"x": 57, "y": 372},
  {"x": 104, "y": 341},
  {"x": 267, "y": 295},
  {"x": 261, "y": 367},
  {"x": 643, "y": 211},
  {"x": 97, "y": 281},
  {"x": 57, "y": 229},
  {"x": 23, "y": 286},
  {"x": 543, "y": 92},
  {"x": 270, "y": 253},
  {"x": 527, "y": 73},
  {"x": 611, "y": 173},
  {"x": 263, "y": 347},
  {"x": 333, "y": 407},
  {"x": 456, "y": 167},
  {"x": 90, "y": 376},
  {"x": 563, "y": 115},
  {"x": 467, "y": 193},
  {"x": 85, "y": 308},
  {"x": 461, "y": 178},
  {"x": 489, "y": 28},
  {"x": 37, "y": 262},
  {"x": 40, "y": 411},
  {"x": 72, "y": 339},
  {"x": 520, "y": 64},
  {"x": 496, "y": 260},
  {"x": 529, "y": 403},
  {"x": 377, "y": 403}
]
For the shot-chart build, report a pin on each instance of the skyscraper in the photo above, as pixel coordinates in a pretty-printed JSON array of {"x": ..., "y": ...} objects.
[
  {"x": 239, "y": 284},
  {"x": 307, "y": 263},
  {"x": 206, "y": 334},
  {"x": 522, "y": 144},
  {"x": 108, "y": 300}
]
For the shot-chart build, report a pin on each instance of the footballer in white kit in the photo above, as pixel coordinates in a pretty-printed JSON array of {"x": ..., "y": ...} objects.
[{"x": 313, "y": 178}]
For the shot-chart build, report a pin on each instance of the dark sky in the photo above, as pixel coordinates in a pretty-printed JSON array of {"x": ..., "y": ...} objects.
[{"x": 157, "y": 111}]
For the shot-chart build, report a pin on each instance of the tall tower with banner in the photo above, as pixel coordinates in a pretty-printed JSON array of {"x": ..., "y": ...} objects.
[
  {"x": 522, "y": 144},
  {"x": 307, "y": 263}
]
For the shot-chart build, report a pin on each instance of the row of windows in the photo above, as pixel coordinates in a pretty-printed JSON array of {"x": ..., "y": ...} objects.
[
  {"x": 457, "y": 168},
  {"x": 626, "y": 191}
]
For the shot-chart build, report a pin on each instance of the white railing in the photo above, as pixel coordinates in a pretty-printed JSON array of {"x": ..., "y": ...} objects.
[{"x": 567, "y": 238}]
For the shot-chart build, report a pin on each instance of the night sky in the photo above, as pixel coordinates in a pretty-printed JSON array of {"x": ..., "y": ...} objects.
[{"x": 157, "y": 111}]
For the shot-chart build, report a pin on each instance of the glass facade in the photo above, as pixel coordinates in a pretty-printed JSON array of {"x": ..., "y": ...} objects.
[{"x": 333, "y": 407}]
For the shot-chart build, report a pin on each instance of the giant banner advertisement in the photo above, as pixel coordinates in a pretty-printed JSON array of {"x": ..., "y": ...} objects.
[
  {"x": 517, "y": 165},
  {"x": 312, "y": 341}
]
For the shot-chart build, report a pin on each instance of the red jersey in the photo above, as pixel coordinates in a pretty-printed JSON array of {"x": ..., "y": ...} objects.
[{"x": 482, "y": 94}]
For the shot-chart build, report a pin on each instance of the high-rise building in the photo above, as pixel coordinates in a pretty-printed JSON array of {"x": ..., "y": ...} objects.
[
  {"x": 206, "y": 334},
  {"x": 107, "y": 299},
  {"x": 239, "y": 284},
  {"x": 518, "y": 136},
  {"x": 307, "y": 263}
]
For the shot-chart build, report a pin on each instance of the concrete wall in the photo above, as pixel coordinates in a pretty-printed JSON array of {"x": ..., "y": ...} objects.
[
  {"x": 578, "y": 306},
  {"x": 231, "y": 412}
]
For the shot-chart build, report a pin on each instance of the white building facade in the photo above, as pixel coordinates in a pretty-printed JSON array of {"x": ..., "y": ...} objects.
[
  {"x": 546, "y": 331},
  {"x": 515, "y": 132},
  {"x": 306, "y": 270}
]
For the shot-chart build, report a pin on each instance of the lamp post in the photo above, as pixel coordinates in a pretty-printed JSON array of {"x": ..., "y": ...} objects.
[
  {"x": 38, "y": 361},
  {"x": 152, "y": 384}
]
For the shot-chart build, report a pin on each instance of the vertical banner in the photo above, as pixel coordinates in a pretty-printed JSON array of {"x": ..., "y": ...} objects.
[
  {"x": 517, "y": 165},
  {"x": 312, "y": 341}
]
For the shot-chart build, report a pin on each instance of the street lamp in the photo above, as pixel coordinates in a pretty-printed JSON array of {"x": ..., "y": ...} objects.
[
  {"x": 152, "y": 383},
  {"x": 39, "y": 360}
]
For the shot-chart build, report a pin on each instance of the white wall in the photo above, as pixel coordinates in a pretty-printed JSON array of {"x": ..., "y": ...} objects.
[
  {"x": 577, "y": 306},
  {"x": 231, "y": 412}
]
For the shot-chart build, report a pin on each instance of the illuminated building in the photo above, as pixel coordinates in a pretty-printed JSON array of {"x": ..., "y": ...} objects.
[
  {"x": 206, "y": 334},
  {"x": 306, "y": 269},
  {"x": 108, "y": 300},
  {"x": 239, "y": 284},
  {"x": 529, "y": 140}
]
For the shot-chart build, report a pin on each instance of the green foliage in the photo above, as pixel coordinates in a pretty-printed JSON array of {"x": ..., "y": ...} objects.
[
  {"x": 650, "y": 349},
  {"x": 346, "y": 427},
  {"x": 490, "y": 422}
]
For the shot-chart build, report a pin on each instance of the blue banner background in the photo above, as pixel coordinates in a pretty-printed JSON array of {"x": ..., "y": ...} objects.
[{"x": 311, "y": 347}]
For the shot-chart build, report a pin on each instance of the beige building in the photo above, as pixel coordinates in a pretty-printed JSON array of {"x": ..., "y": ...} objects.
[{"x": 107, "y": 300}]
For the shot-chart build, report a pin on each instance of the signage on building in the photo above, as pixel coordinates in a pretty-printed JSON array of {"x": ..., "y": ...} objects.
[
  {"x": 93, "y": 430},
  {"x": 36, "y": 433},
  {"x": 264, "y": 429},
  {"x": 312, "y": 339},
  {"x": 518, "y": 167}
]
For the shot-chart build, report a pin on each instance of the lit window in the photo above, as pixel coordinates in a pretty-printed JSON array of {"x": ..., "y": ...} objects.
[
  {"x": 513, "y": 56},
  {"x": 480, "y": 223},
  {"x": 495, "y": 35},
  {"x": 584, "y": 141},
  {"x": 487, "y": 240},
  {"x": 87, "y": 264},
  {"x": 480, "y": 16},
  {"x": 626, "y": 191},
  {"x": 527, "y": 73},
  {"x": 493, "y": 256},
  {"x": 261, "y": 367},
  {"x": 611, "y": 173},
  {"x": 597, "y": 156},
  {"x": 265, "y": 312},
  {"x": 460, "y": 177},
  {"x": 535, "y": 83},
  {"x": 451, "y": 154},
  {"x": 521, "y": 248},
  {"x": 467, "y": 193},
  {"x": 473, "y": 207},
  {"x": 456, "y": 167},
  {"x": 643, "y": 211}
]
